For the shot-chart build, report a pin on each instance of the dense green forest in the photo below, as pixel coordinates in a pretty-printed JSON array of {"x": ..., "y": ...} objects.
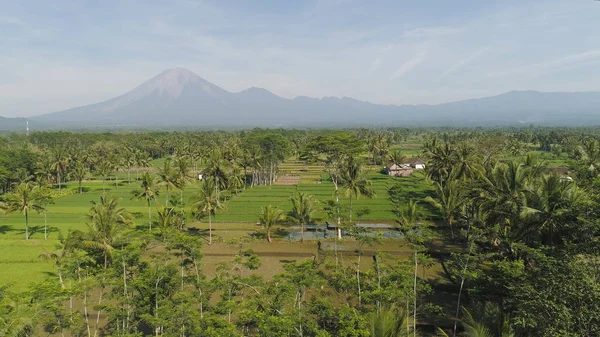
[{"x": 114, "y": 234}]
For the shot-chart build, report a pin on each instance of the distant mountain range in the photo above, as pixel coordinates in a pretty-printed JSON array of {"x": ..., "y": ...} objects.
[{"x": 178, "y": 98}]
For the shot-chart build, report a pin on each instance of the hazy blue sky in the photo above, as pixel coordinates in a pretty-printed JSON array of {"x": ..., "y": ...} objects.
[{"x": 59, "y": 54}]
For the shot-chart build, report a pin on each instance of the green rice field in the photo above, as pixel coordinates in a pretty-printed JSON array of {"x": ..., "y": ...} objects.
[{"x": 19, "y": 258}]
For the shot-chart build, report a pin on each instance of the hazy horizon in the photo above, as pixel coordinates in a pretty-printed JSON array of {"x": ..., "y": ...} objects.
[{"x": 386, "y": 52}]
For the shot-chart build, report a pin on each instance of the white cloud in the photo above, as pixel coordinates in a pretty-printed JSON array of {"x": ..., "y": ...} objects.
[
  {"x": 463, "y": 62},
  {"x": 411, "y": 64}
]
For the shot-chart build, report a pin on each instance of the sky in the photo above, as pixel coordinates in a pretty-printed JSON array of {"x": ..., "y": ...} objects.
[{"x": 55, "y": 55}]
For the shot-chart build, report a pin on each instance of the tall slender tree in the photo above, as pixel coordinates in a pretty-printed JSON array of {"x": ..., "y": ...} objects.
[
  {"x": 449, "y": 199},
  {"x": 107, "y": 220},
  {"x": 147, "y": 191},
  {"x": 167, "y": 177},
  {"x": 79, "y": 173},
  {"x": 353, "y": 181},
  {"x": 205, "y": 203},
  {"x": 24, "y": 198}
]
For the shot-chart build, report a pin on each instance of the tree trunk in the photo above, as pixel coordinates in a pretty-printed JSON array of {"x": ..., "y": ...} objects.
[
  {"x": 415, "y": 298},
  {"x": 451, "y": 228},
  {"x": 269, "y": 235},
  {"x": 462, "y": 282},
  {"x": 167, "y": 197},
  {"x": 98, "y": 313},
  {"x": 302, "y": 232},
  {"x": 149, "y": 215},
  {"x": 26, "y": 225},
  {"x": 58, "y": 179},
  {"x": 350, "y": 207},
  {"x": 358, "y": 277},
  {"x": 209, "y": 228},
  {"x": 199, "y": 288}
]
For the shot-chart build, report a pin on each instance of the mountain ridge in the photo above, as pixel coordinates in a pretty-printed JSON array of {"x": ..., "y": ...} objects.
[{"x": 180, "y": 98}]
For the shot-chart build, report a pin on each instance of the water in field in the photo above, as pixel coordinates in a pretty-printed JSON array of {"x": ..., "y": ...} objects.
[{"x": 323, "y": 232}]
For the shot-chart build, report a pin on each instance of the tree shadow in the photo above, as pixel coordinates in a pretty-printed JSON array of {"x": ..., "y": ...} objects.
[
  {"x": 202, "y": 233},
  {"x": 137, "y": 215},
  {"x": 33, "y": 230},
  {"x": 4, "y": 229}
]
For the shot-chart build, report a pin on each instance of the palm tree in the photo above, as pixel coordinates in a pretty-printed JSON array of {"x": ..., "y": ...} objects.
[
  {"x": 589, "y": 152},
  {"x": 302, "y": 210},
  {"x": 24, "y": 198},
  {"x": 237, "y": 179},
  {"x": 17, "y": 319},
  {"x": 215, "y": 170},
  {"x": 397, "y": 157},
  {"x": 107, "y": 221},
  {"x": 129, "y": 160},
  {"x": 167, "y": 177},
  {"x": 167, "y": 220},
  {"x": 408, "y": 221},
  {"x": 141, "y": 160},
  {"x": 391, "y": 322},
  {"x": 60, "y": 161},
  {"x": 449, "y": 200},
  {"x": 147, "y": 191},
  {"x": 79, "y": 173},
  {"x": 206, "y": 202},
  {"x": 57, "y": 257},
  {"x": 183, "y": 173},
  {"x": 486, "y": 321},
  {"x": 105, "y": 169},
  {"x": 553, "y": 197},
  {"x": 44, "y": 168},
  {"x": 353, "y": 181},
  {"x": 269, "y": 217}
]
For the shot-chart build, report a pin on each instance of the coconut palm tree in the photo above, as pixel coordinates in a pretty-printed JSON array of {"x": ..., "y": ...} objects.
[
  {"x": 237, "y": 179},
  {"x": 216, "y": 171},
  {"x": 129, "y": 160},
  {"x": 141, "y": 160},
  {"x": 269, "y": 217},
  {"x": 106, "y": 223},
  {"x": 486, "y": 320},
  {"x": 44, "y": 168},
  {"x": 147, "y": 191},
  {"x": 553, "y": 197},
  {"x": 205, "y": 203},
  {"x": 353, "y": 182},
  {"x": 167, "y": 177},
  {"x": 24, "y": 198},
  {"x": 449, "y": 199},
  {"x": 183, "y": 175},
  {"x": 397, "y": 157},
  {"x": 17, "y": 319},
  {"x": 390, "y": 322},
  {"x": 302, "y": 210},
  {"x": 589, "y": 152},
  {"x": 60, "y": 162},
  {"x": 167, "y": 220},
  {"x": 105, "y": 169},
  {"x": 408, "y": 221},
  {"x": 79, "y": 173}
]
